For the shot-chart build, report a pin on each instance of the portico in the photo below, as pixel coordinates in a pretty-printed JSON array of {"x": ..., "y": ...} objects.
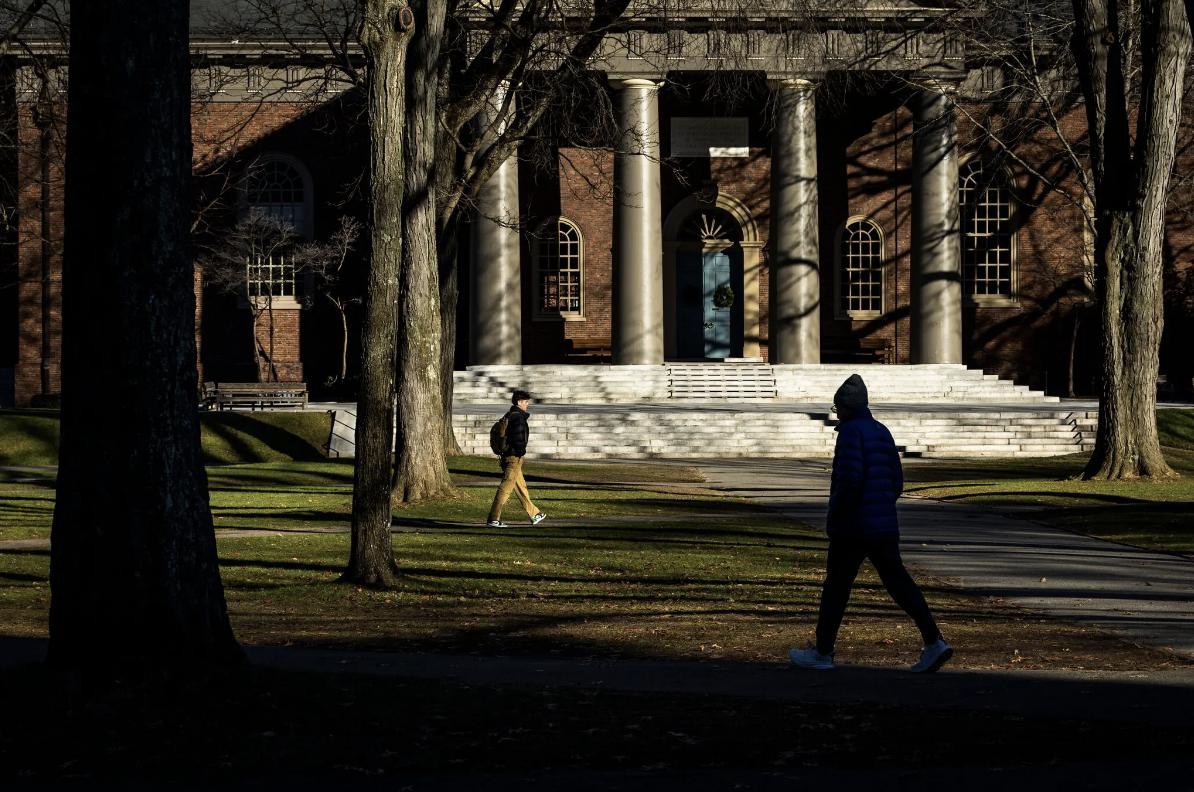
[{"x": 723, "y": 274}]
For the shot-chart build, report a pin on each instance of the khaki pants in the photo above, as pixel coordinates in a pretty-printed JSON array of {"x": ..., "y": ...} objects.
[{"x": 512, "y": 481}]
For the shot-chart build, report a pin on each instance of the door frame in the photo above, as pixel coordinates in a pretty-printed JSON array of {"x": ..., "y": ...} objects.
[{"x": 752, "y": 260}]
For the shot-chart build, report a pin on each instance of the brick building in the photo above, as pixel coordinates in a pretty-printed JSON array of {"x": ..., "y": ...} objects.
[{"x": 820, "y": 194}]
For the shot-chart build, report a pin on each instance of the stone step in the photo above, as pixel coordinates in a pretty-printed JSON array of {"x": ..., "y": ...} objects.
[{"x": 733, "y": 381}]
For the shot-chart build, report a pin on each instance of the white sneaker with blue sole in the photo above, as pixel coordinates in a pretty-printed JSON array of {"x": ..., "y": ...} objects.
[
  {"x": 933, "y": 657},
  {"x": 810, "y": 658}
]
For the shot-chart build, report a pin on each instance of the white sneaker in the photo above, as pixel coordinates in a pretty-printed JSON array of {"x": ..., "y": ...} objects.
[
  {"x": 496, "y": 524},
  {"x": 933, "y": 657},
  {"x": 538, "y": 518},
  {"x": 810, "y": 658}
]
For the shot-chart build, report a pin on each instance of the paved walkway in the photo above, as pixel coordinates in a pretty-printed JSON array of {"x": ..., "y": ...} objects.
[{"x": 1143, "y": 596}]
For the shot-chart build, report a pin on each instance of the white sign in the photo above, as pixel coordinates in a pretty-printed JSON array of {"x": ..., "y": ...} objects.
[{"x": 710, "y": 137}]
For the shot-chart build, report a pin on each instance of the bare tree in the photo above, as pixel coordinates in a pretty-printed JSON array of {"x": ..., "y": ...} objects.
[
  {"x": 240, "y": 261},
  {"x": 1120, "y": 65},
  {"x": 386, "y": 27},
  {"x": 324, "y": 262},
  {"x": 1130, "y": 173}
]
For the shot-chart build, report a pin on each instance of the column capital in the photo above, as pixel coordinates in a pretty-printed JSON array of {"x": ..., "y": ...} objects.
[
  {"x": 796, "y": 83},
  {"x": 808, "y": 83},
  {"x": 623, "y": 83},
  {"x": 939, "y": 85}
]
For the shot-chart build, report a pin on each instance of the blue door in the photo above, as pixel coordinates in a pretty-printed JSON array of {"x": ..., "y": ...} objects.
[{"x": 718, "y": 321}]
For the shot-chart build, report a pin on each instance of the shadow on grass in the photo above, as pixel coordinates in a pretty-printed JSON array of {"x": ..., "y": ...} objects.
[
  {"x": 328, "y": 719},
  {"x": 253, "y": 437},
  {"x": 1013, "y": 495}
]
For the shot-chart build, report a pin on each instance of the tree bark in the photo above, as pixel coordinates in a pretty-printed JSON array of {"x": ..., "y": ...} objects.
[
  {"x": 1131, "y": 185},
  {"x": 421, "y": 470},
  {"x": 384, "y": 35},
  {"x": 449, "y": 296},
  {"x": 447, "y": 227},
  {"x": 133, "y": 569}
]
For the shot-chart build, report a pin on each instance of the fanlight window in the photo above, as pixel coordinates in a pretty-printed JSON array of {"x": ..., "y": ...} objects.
[
  {"x": 276, "y": 190},
  {"x": 560, "y": 264},
  {"x": 860, "y": 278},
  {"x": 987, "y": 237}
]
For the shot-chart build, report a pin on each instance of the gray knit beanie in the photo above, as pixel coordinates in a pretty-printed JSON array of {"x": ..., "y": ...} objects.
[{"x": 851, "y": 395}]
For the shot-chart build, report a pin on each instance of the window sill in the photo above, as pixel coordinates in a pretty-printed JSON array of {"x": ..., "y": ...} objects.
[
  {"x": 271, "y": 304},
  {"x": 992, "y": 302},
  {"x": 560, "y": 318},
  {"x": 859, "y": 316}
]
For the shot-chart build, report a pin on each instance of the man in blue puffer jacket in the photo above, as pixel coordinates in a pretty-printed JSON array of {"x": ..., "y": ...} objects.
[{"x": 867, "y": 481}]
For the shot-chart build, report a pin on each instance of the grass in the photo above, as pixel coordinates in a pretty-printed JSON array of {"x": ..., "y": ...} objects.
[
  {"x": 1151, "y": 514},
  {"x": 658, "y": 568},
  {"x": 654, "y": 569},
  {"x": 29, "y": 438}
]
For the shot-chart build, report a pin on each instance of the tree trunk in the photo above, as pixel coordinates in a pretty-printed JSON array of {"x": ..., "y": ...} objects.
[
  {"x": 1075, "y": 327},
  {"x": 421, "y": 470},
  {"x": 134, "y": 575},
  {"x": 446, "y": 229},
  {"x": 1131, "y": 186},
  {"x": 384, "y": 35},
  {"x": 449, "y": 296}
]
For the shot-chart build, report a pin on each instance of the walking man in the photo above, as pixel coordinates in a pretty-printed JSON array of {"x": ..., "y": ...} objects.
[
  {"x": 861, "y": 523},
  {"x": 509, "y": 440}
]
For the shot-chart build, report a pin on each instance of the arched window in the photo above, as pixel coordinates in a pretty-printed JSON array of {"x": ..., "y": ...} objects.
[
  {"x": 277, "y": 189},
  {"x": 988, "y": 241},
  {"x": 559, "y": 271},
  {"x": 860, "y": 269}
]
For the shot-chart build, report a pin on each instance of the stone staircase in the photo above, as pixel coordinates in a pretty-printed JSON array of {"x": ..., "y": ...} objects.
[
  {"x": 676, "y": 432},
  {"x": 736, "y": 382},
  {"x": 724, "y": 381},
  {"x": 742, "y": 409}
]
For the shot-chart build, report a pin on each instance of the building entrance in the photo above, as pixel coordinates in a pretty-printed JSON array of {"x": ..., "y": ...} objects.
[{"x": 709, "y": 304}]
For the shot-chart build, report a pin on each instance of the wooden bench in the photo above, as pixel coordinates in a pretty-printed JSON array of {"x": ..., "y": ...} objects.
[
  {"x": 857, "y": 350},
  {"x": 254, "y": 395},
  {"x": 598, "y": 354}
]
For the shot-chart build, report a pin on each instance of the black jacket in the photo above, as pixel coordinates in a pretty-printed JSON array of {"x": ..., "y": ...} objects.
[
  {"x": 517, "y": 432},
  {"x": 867, "y": 478}
]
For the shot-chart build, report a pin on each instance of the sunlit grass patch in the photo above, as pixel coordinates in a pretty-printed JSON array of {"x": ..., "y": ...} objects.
[{"x": 1152, "y": 514}]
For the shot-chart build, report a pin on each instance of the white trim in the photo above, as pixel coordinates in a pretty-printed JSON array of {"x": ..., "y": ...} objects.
[
  {"x": 839, "y": 239},
  {"x": 552, "y": 225},
  {"x": 1011, "y": 299}
]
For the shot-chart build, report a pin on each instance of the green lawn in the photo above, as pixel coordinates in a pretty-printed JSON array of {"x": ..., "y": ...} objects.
[
  {"x": 1157, "y": 515},
  {"x": 654, "y": 569},
  {"x": 29, "y": 438}
]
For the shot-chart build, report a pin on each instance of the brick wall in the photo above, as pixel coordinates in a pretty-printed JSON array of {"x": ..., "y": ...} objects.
[
  {"x": 28, "y": 374},
  {"x": 864, "y": 160},
  {"x": 278, "y": 337}
]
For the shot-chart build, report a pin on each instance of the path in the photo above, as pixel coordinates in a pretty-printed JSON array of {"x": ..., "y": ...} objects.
[{"x": 1144, "y": 596}]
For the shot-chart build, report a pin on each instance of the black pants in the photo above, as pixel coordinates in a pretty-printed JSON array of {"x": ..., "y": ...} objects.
[{"x": 841, "y": 567}]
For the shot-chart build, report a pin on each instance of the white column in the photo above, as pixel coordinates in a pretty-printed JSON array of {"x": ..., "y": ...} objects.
[
  {"x": 638, "y": 237},
  {"x": 495, "y": 310},
  {"x": 936, "y": 324},
  {"x": 795, "y": 265}
]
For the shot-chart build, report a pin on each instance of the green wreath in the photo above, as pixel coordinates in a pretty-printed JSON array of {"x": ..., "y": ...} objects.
[{"x": 723, "y": 297}]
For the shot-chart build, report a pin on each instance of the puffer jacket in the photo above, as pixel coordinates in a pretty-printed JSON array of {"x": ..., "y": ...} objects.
[
  {"x": 518, "y": 432},
  {"x": 867, "y": 479}
]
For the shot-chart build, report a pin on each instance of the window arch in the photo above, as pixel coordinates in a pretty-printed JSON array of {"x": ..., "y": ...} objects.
[
  {"x": 559, "y": 270},
  {"x": 988, "y": 236},
  {"x": 860, "y": 268},
  {"x": 277, "y": 187}
]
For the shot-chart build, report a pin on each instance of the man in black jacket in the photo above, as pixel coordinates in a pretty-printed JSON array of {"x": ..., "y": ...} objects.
[
  {"x": 867, "y": 481},
  {"x": 517, "y": 435}
]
